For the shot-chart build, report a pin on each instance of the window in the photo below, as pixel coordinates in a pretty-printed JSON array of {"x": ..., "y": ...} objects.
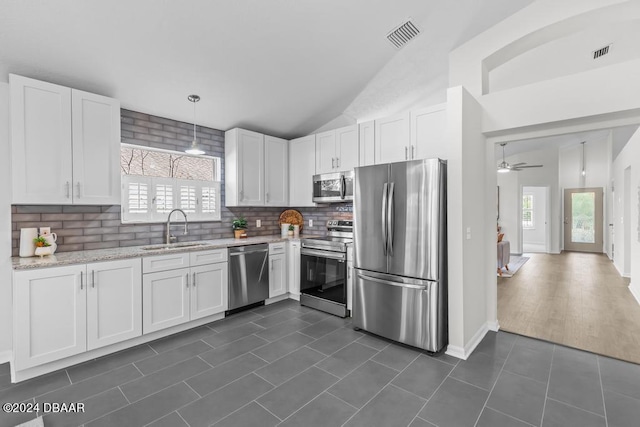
[
  {"x": 527, "y": 211},
  {"x": 154, "y": 182}
]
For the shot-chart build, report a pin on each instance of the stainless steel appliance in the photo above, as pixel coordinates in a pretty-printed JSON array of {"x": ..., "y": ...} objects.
[
  {"x": 400, "y": 260},
  {"x": 333, "y": 187},
  {"x": 323, "y": 269},
  {"x": 248, "y": 275}
]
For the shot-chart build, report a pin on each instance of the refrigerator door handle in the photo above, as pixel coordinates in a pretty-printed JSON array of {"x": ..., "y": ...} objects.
[
  {"x": 390, "y": 218},
  {"x": 385, "y": 194},
  {"x": 343, "y": 187},
  {"x": 387, "y": 282}
]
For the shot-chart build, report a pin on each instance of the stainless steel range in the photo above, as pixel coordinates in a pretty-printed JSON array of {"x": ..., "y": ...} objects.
[{"x": 323, "y": 269}]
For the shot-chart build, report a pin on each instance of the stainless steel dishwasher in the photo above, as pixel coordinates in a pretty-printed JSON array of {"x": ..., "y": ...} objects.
[{"x": 248, "y": 275}]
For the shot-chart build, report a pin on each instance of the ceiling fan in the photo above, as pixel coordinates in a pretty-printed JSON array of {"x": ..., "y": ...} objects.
[{"x": 504, "y": 167}]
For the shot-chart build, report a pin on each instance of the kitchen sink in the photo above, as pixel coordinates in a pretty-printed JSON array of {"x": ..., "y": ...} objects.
[{"x": 173, "y": 246}]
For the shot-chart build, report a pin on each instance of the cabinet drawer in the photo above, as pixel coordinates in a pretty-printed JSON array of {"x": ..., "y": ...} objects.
[
  {"x": 277, "y": 248},
  {"x": 208, "y": 257},
  {"x": 152, "y": 264}
]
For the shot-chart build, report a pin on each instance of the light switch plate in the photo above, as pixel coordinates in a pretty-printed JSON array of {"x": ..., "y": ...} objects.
[
  {"x": 310, "y": 223},
  {"x": 258, "y": 223}
]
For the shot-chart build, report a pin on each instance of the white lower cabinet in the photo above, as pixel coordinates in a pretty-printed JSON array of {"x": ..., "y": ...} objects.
[
  {"x": 174, "y": 296},
  {"x": 60, "y": 312},
  {"x": 294, "y": 269},
  {"x": 277, "y": 269},
  {"x": 114, "y": 302}
]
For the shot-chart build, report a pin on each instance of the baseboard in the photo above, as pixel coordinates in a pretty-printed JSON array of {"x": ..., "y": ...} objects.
[
  {"x": 5, "y": 356},
  {"x": 635, "y": 292},
  {"x": 493, "y": 325},
  {"x": 464, "y": 352}
]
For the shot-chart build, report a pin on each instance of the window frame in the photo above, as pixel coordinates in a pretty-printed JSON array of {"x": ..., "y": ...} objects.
[
  {"x": 530, "y": 209},
  {"x": 153, "y": 215}
]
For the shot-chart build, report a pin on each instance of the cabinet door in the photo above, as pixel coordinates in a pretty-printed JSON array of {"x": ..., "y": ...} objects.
[
  {"x": 294, "y": 269},
  {"x": 276, "y": 161},
  {"x": 392, "y": 139},
  {"x": 49, "y": 316},
  {"x": 40, "y": 142},
  {"x": 326, "y": 152},
  {"x": 250, "y": 168},
  {"x": 277, "y": 275},
  {"x": 428, "y": 128},
  {"x": 165, "y": 299},
  {"x": 114, "y": 302},
  {"x": 347, "y": 148},
  {"x": 366, "y": 138},
  {"x": 96, "y": 149},
  {"x": 209, "y": 289},
  {"x": 302, "y": 165}
]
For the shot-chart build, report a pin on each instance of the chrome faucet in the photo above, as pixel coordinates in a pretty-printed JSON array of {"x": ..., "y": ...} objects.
[{"x": 169, "y": 236}]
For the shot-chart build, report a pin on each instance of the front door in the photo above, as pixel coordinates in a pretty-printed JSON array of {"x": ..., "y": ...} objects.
[{"x": 583, "y": 219}]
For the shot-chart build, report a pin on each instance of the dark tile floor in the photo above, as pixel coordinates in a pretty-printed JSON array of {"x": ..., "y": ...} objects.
[{"x": 289, "y": 365}]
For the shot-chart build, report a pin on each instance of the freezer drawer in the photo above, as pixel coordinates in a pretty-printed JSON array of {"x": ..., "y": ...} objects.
[{"x": 409, "y": 311}]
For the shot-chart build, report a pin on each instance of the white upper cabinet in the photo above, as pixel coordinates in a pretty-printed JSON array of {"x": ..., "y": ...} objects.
[
  {"x": 65, "y": 145},
  {"x": 255, "y": 168},
  {"x": 428, "y": 129},
  {"x": 96, "y": 149},
  {"x": 302, "y": 167},
  {"x": 366, "y": 143},
  {"x": 276, "y": 155},
  {"x": 337, "y": 150},
  {"x": 392, "y": 139}
]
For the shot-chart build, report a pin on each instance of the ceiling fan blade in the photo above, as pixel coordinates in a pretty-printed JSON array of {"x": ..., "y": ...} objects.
[
  {"x": 515, "y": 165},
  {"x": 525, "y": 167}
]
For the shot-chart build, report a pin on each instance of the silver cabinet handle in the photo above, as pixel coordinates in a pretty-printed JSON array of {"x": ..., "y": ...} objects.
[
  {"x": 93, "y": 278},
  {"x": 194, "y": 280},
  {"x": 406, "y": 153},
  {"x": 78, "y": 188},
  {"x": 81, "y": 280},
  {"x": 333, "y": 161},
  {"x": 349, "y": 273},
  {"x": 413, "y": 152},
  {"x": 187, "y": 276},
  {"x": 267, "y": 197},
  {"x": 68, "y": 186},
  {"x": 337, "y": 162},
  {"x": 241, "y": 195},
  {"x": 272, "y": 265}
]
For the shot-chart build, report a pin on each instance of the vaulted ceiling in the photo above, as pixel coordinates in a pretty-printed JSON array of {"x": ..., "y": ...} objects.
[{"x": 283, "y": 67}]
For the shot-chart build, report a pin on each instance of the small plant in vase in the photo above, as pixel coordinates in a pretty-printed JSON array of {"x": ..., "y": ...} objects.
[
  {"x": 239, "y": 227},
  {"x": 42, "y": 246},
  {"x": 291, "y": 228}
]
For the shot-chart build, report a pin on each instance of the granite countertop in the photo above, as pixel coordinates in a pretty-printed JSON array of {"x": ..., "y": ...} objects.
[{"x": 83, "y": 257}]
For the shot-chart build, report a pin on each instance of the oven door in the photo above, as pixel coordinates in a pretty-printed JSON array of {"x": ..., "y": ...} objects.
[{"x": 323, "y": 274}]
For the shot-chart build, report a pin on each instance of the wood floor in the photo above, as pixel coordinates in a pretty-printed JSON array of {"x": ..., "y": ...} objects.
[{"x": 575, "y": 299}]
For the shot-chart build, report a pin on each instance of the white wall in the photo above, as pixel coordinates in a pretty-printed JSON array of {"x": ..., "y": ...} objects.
[
  {"x": 537, "y": 234},
  {"x": 629, "y": 157},
  {"x": 509, "y": 184},
  {"x": 5, "y": 228},
  {"x": 471, "y": 244}
]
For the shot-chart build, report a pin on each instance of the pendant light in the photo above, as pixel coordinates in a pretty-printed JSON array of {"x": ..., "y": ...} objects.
[
  {"x": 584, "y": 170},
  {"x": 503, "y": 167},
  {"x": 194, "y": 148}
]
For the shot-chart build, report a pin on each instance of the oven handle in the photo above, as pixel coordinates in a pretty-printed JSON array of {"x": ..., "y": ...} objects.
[{"x": 323, "y": 254}]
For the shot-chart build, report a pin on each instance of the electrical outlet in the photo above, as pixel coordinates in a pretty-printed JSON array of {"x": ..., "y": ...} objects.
[
  {"x": 258, "y": 223},
  {"x": 310, "y": 223}
]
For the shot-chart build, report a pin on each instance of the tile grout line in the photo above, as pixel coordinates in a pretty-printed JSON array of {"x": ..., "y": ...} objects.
[
  {"x": 190, "y": 388},
  {"x": 340, "y": 399},
  {"x": 385, "y": 386},
  {"x": 266, "y": 409},
  {"x": 432, "y": 394},
  {"x": 546, "y": 392},
  {"x": 511, "y": 416},
  {"x": 575, "y": 407},
  {"x": 604, "y": 405},
  {"x": 496, "y": 381}
]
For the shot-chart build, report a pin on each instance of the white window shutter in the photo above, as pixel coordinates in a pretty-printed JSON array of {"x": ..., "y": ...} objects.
[{"x": 136, "y": 204}]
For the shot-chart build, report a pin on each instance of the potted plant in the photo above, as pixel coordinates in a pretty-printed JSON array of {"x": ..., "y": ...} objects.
[
  {"x": 42, "y": 246},
  {"x": 291, "y": 228},
  {"x": 239, "y": 227}
]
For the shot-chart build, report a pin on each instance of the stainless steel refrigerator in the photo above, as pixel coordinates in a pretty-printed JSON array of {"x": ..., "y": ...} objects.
[{"x": 400, "y": 255}]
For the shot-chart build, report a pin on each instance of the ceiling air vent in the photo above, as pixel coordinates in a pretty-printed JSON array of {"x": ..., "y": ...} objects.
[
  {"x": 402, "y": 34},
  {"x": 601, "y": 52}
]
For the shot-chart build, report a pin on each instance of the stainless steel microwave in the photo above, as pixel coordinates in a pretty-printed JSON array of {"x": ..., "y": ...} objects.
[{"x": 333, "y": 187}]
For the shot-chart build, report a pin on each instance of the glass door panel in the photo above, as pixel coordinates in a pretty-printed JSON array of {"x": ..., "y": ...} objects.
[{"x": 583, "y": 220}]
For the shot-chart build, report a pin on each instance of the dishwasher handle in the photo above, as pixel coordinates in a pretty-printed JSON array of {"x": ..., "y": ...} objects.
[{"x": 248, "y": 252}]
